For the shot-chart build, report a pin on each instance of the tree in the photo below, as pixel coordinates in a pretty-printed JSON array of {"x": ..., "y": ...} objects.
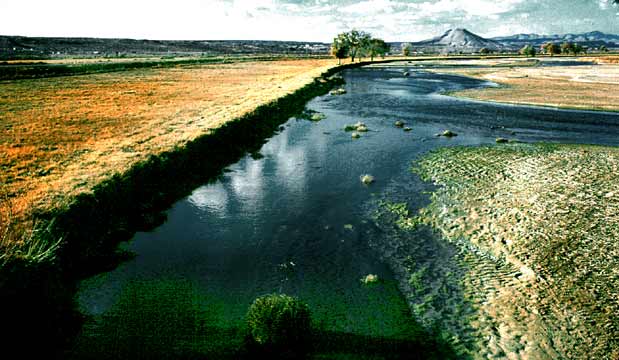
[
  {"x": 484, "y": 51},
  {"x": 406, "y": 49},
  {"x": 551, "y": 48},
  {"x": 356, "y": 41},
  {"x": 603, "y": 48},
  {"x": 577, "y": 49},
  {"x": 377, "y": 47},
  {"x": 528, "y": 50},
  {"x": 339, "y": 50},
  {"x": 567, "y": 47}
]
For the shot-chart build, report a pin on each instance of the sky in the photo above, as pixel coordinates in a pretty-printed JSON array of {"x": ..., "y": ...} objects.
[{"x": 302, "y": 20}]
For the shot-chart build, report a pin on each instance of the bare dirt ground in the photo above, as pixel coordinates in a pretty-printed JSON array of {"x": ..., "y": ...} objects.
[
  {"x": 61, "y": 136},
  {"x": 592, "y": 87}
]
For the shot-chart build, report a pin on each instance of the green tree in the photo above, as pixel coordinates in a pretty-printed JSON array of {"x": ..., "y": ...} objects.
[
  {"x": 407, "y": 48},
  {"x": 484, "y": 51},
  {"x": 567, "y": 47},
  {"x": 377, "y": 47},
  {"x": 577, "y": 49},
  {"x": 551, "y": 48},
  {"x": 528, "y": 50},
  {"x": 356, "y": 41},
  {"x": 339, "y": 50}
]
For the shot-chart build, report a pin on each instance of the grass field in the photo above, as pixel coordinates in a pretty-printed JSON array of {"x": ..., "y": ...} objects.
[
  {"x": 540, "y": 223},
  {"x": 60, "y": 136},
  {"x": 594, "y": 87}
]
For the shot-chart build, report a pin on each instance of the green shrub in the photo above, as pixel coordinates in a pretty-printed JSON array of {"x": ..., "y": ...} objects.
[{"x": 279, "y": 323}]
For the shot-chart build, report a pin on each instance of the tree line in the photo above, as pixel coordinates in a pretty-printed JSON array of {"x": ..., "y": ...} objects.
[
  {"x": 358, "y": 44},
  {"x": 556, "y": 49}
]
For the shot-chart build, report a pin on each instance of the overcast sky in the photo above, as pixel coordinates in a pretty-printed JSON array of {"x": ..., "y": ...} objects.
[{"x": 304, "y": 20}]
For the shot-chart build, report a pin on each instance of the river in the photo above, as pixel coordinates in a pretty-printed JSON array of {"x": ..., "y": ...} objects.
[{"x": 297, "y": 219}]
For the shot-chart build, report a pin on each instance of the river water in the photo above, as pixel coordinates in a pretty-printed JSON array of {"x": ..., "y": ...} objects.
[{"x": 298, "y": 220}]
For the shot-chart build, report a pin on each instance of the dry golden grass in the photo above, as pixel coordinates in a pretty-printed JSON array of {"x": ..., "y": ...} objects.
[
  {"x": 575, "y": 87},
  {"x": 604, "y": 59},
  {"x": 61, "y": 136}
]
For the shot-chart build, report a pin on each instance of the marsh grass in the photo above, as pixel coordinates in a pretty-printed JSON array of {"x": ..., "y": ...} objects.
[
  {"x": 370, "y": 279},
  {"x": 358, "y": 127},
  {"x": 367, "y": 179},
  {"x": 546, "y": 216},
  {"x": 279, "y": 325},
  {"x": 31, "y": 242}
]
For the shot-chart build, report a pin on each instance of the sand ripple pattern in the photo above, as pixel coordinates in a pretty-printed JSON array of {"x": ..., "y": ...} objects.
[{"x": 549, "y": 217}]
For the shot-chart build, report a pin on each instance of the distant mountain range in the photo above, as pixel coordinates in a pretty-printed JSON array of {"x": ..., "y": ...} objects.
[
  {"x": 452, "y": 41},
  {"x": 464, "y": 41},
  {"x": 593, "y": 39}
]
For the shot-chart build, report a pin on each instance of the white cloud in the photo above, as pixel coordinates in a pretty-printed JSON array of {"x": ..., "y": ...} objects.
[
  {"x": 369, "y": 7},
  {"x": 318, "y": 20},
  {"x": 469, "y": 7}
]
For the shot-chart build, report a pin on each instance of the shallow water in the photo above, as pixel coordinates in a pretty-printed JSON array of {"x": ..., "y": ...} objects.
[{"x": 299, "y": 220}]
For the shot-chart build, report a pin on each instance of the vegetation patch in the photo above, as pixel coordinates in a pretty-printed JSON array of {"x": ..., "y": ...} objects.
[
  {"x": 359, "y": 127},
  {"x": 547, "y": 216},
  {"x": 367, "y": 179},
  {"x": 311, "y": 115},
  {"x": 370, "y": 279},
  {"x": 403, "y": 219},
  {"x": 280, "y": 324}
]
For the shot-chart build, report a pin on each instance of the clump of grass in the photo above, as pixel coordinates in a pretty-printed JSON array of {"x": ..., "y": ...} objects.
[
  {"x": 367, "y": 179},
  {"x": 311, "y": 115},
  {"x": 399, "y": 123},
  {"x": 340, "y": 91},
  {"x": 448, "y": 134},
  {"x": 416, "y": 279},
  {"x": 406, "y": 73},
  {"x": 403, "y": 220},
  {"x": 279, "y": 323},
  {"x": 359, "y": 127},
  {"x": 317, "y": 117},
  {"x": 33, "y": 244},
  {"x": 501, "y": 140},
  {"x": 370, "y": 279},
  {"x": 355, "y": 135},
  {"x": 407, "y": 129}
]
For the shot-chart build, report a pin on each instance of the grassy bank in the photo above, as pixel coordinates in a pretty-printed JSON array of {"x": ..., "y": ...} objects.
[
  {"x": 580, "y": 87},
  {"x": 62, "y": 136},
  {"x": 81, "y": 231},
  {"x": 546, "y": 216}
]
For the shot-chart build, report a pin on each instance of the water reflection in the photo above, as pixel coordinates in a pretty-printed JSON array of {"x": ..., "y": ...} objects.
[
  {"x": 212, "y": 198},
  {"x": 223, "y": 245}
]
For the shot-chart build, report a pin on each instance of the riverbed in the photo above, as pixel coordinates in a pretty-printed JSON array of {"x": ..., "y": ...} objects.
[{"x": 295, "y": 218}]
